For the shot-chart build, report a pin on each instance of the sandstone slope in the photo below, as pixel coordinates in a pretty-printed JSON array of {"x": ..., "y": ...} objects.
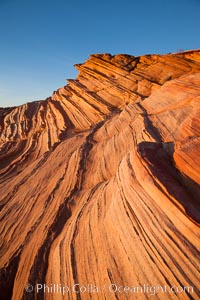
[{"x": 99, "y": 184}]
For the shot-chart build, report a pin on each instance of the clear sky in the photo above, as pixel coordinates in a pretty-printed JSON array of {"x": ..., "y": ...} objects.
[{"x": 40, "y": 40}]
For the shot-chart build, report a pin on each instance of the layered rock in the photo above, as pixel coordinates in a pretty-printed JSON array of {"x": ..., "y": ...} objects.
[{"x": 99, "y": 183}]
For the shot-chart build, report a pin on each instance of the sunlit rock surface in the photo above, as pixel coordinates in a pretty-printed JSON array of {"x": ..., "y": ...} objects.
[{"x": 100, "y": 182}]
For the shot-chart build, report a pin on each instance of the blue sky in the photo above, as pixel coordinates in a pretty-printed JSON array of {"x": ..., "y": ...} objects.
[{"x": 40, "y": 40}]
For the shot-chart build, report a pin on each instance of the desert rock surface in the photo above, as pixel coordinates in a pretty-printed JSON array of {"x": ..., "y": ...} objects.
[{"x": 99, "y": 184}]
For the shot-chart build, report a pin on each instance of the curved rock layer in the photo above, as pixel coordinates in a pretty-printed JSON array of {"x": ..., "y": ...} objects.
[{"x": 100, "y": 182}]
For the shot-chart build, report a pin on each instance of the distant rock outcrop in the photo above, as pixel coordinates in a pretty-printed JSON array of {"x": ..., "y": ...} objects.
[{"x": 100, "y": 183}]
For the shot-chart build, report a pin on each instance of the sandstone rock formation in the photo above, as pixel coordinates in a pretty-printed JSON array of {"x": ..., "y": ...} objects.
[{"x": 100, "y": 182}]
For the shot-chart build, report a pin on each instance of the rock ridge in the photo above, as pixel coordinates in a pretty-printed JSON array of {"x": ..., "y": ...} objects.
[{"x": 99, "y": 183}]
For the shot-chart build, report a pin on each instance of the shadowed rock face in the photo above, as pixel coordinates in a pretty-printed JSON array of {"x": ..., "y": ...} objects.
[{"x": 100, "y": 182}]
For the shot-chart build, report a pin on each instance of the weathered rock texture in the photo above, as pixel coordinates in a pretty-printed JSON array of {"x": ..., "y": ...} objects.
[{"x": 99, "y": 183}]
